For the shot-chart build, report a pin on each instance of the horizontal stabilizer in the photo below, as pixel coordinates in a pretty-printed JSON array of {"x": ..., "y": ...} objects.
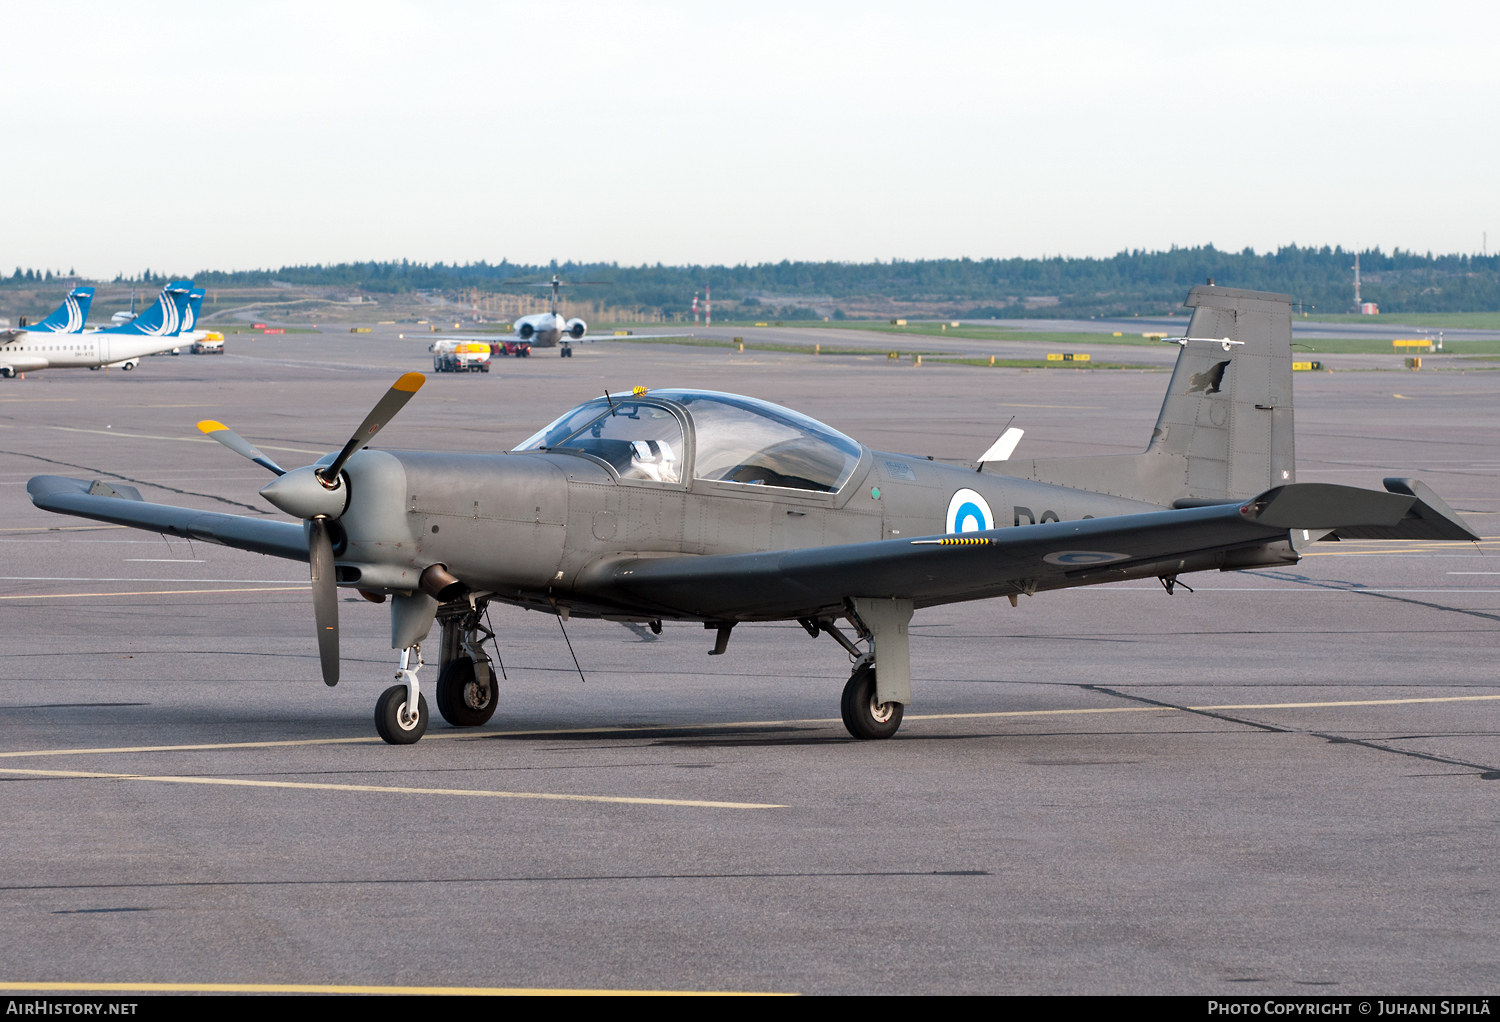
[
  {"x": 1429, "y": 517},
  {"x": 1327, "y": 506},
  {"x": 87, "y": 500}
]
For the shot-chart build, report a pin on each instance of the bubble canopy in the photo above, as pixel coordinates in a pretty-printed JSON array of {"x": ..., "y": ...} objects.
[{"x": 736, "y": 440}]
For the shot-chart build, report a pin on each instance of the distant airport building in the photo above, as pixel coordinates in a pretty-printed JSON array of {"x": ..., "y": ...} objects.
[{"x": 1369, "y": 309}]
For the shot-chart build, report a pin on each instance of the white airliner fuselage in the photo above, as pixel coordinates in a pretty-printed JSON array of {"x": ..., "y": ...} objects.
[{"x": 30, "y": 353}]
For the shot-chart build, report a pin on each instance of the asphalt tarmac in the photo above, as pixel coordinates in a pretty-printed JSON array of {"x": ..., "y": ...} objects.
[{"x": 1286, "y": 782}]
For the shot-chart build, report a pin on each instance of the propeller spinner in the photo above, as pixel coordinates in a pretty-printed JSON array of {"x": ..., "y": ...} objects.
[{"x": 319, "y": 495}]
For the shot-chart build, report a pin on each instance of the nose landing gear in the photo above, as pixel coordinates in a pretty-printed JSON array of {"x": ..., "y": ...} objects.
[{"x": 395, "y": 719}]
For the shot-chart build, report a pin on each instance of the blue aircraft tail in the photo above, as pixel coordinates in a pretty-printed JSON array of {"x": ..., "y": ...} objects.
[
  {"x": 70, "y": 315},
  {"x": 165, "y": 318}
]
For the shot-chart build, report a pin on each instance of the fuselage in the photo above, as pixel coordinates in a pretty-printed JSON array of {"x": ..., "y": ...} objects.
[
  {"x": 33, "y": 352},
  {"x": 546, "y": 329},
  {"x": 534, "y": 527}
]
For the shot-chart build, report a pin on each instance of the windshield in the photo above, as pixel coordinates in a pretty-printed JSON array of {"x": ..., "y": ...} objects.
[
  {"x": 640, "y": 439},
  {"x": 743, "y": 440}
]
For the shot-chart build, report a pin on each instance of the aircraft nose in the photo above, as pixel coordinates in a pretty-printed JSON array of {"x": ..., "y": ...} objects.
[{"x": 302, "y": 494}]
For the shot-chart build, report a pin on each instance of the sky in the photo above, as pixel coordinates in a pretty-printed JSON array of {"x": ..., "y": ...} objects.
[{"x": 247, "y": 135}]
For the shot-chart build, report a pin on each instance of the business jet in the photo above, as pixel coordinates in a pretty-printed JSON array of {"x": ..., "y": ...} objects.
[{"x": 541, "y": 329}]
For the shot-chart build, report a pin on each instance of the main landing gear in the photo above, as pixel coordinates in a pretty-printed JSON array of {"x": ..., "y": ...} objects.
[
  {"x": 873, "y": 703},
  {"x": 466, "y": 689},
  {"x": 864, "y": 714}
]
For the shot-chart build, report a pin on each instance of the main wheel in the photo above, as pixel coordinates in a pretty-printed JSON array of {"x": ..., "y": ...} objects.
[
  {"x": 390, "y": 717},
  {"x": 460, "y": 699},
  {"x": 863, "y": 716}
]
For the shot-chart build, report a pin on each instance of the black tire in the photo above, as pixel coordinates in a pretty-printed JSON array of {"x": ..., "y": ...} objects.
[
  {"x": 864, "y": 719},
  {"x": 388, "y": 723},
  {"x": 459, "y": 697}
]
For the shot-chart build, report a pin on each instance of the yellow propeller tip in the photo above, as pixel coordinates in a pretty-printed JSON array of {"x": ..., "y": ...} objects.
[
  {"x": 410, "y": 383},
  {"x": 210, "y": 426}
]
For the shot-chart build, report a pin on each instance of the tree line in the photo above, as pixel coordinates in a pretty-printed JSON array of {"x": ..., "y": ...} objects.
[{"x": 1135, "y": 281}]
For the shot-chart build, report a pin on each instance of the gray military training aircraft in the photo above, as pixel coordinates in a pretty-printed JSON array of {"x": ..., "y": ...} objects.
[{"x": 688, "y": 505}]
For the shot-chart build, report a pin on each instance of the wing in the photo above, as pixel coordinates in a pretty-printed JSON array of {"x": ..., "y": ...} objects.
[
  {"x": 999, "y": 562},
  {"x": 122, "y": 505}
]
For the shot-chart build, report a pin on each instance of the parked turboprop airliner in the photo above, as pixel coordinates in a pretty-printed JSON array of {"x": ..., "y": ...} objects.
[{"x": 25, "y": 351}]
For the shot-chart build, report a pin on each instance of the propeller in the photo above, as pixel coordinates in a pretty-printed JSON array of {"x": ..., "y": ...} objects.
[
  {"x": 395, "y": 399},
  {"x": 319, "y": 496},
  {"x": 325, "y": 598},
  {"x": 238, "y": 444}
]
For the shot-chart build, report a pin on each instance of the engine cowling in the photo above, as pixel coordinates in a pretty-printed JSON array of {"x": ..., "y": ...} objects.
[
  {"x": 525, "y": 331},
  {"x": 576, "y": 328}
]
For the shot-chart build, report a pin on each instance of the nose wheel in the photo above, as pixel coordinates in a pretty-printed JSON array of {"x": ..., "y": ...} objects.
[
  {"x": 395, "y": 724},
  {"x": 401, "y": 710},
  {"x": 864, "y": 716}
]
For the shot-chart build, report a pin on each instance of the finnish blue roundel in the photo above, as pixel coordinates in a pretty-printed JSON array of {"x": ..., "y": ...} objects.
[{"x": 969, "y": 512}]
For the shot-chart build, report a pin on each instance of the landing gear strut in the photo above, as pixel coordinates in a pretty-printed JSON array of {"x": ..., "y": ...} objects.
[
  {"x": 467, "y": 692},
  {"x": 872, "y": 705},
  {"x": 397, "y": 723}
]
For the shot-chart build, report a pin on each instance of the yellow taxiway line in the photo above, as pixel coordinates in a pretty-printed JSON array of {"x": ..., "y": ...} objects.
[
  {"x": 151, "y": 592},
  {"x": 474, "y": 736},
  {"x": 344, "y": 988},
  {"x": 391, "y": 790}
]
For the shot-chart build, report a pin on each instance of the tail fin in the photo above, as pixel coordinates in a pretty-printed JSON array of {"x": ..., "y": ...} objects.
[
  {"x": 164, "y": 319},
  {"x": 1225, "y": 427},
  {"x": 194, "y": 303},
  {"x": 70, "y": 315},
  {"x": 1228, "y": 410}
]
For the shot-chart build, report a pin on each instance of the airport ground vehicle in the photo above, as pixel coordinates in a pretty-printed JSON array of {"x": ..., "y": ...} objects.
[
  {"x": 211, "y": 343},
  {"x": 698, "y": 506},
  {"x": 460, "y": 357},
  {"x": 520, "y": 349}
]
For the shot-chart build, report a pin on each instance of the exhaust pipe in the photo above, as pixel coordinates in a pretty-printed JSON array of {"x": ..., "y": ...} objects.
[{"x": 436, "y": 582}]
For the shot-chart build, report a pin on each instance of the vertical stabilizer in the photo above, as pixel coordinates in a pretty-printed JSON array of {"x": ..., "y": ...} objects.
[
  {"x": 165, "y": 318},
  {"x": 1228, "y": 409},
  {"x": 1225, "y": 427},
  {"x": 70, "y": 315},
  {"x": 194, "y": 305}
]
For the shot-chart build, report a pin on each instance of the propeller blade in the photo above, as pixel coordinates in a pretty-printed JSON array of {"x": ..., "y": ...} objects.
[
  {"x": 395, "y": 399},
  {"x": 325, "y": 598},
  {"x": 238, "y": 444}
]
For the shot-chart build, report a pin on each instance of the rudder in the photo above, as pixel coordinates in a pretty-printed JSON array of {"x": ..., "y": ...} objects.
[
  {"x": 1225, "y": 426},
  {"x": 1228, "y": 409}
]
